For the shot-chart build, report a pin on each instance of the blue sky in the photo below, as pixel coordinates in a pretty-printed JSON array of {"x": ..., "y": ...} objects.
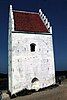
[{"x": 55, "y": 10}]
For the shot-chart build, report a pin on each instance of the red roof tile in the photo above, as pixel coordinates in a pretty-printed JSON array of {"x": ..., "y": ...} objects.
[{"x": 28, "y": 22}]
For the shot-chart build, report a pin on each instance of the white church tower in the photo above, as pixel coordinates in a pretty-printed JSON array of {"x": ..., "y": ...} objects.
[{"x": 30, "y": 51}]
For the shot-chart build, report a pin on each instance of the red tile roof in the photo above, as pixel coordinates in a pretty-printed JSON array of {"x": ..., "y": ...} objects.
[{"x": 28, "y": 22}]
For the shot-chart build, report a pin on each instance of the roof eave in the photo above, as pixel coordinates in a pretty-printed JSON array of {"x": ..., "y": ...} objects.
[{"x": 43, "y": 33}]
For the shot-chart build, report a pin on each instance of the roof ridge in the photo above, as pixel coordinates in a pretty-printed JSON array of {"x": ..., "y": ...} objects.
[{"x": 25, "y": 12}]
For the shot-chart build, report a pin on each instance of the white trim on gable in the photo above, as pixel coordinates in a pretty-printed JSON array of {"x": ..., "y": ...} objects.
[
  {"x": 45, "y": 21},
  {"x": 11, "y": 17}
]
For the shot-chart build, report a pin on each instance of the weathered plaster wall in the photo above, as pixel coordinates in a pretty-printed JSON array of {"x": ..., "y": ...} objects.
[{"x": 26, "y": 64}]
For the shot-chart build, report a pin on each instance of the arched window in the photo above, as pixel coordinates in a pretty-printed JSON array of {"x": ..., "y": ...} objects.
[
  {"x": 32, "y": 47},
  {"x": 34, "y": 80}
]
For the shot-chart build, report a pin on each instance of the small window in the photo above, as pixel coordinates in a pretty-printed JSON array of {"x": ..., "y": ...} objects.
[
  {"x": 32, "y": 47},
  {"x": 34, "y": 80}
]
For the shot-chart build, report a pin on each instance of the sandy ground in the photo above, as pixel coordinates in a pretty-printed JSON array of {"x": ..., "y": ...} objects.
[{"x": 55, "y": 93}]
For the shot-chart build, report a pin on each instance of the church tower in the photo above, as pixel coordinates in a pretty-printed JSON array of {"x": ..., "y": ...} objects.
[{"x": 30, "y": 51}]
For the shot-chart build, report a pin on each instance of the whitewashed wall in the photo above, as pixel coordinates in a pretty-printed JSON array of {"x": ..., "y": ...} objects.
[{"x": 26, "y": 64}]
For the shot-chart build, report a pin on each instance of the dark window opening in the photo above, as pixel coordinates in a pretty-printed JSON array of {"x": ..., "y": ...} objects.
[{"x": 32, "y": 47}]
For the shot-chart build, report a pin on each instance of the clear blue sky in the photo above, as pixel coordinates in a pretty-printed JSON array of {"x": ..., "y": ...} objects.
[{"x": 55, "y": 10}]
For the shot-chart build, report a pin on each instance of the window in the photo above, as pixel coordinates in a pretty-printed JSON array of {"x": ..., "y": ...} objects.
[
  {"x": 32, "y": 47},
  {"x": 34, "y": 80}
]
